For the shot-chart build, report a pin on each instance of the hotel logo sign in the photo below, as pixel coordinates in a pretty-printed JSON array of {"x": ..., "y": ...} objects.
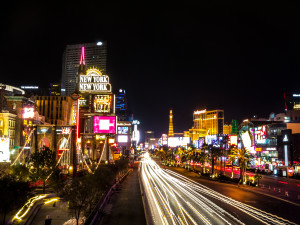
[{"x": 94, "y": 81}]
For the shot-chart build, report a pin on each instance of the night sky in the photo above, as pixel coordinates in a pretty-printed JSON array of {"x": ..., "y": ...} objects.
[{"x": 239, "y": 57}]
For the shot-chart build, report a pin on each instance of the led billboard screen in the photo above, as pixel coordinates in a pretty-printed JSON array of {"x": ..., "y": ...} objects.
[
  {"x": 178, "y": 141},
  {"x": 122, "y": 130},
  {"x": 103, "y": 103},
  {"x": 233, "y": 140},
  {"x": 261, "y": 134},
  {"x": 105, "y": 124},
  {"x": 122, "y": 138}
]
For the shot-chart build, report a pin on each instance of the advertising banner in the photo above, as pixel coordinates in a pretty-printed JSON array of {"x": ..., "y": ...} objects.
[
  {"x": 105, "y": 124},
  {"x": 103, "y": 103},
  {"x": 178, "y": 141},
  {"x": 122, "y": 138},
  {"x": 122, "y": 130}
]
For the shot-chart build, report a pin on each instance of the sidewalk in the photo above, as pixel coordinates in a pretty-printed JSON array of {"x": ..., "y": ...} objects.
[
  {"x": 58, "y": 214},
  {"x": 125, "y": 207}
]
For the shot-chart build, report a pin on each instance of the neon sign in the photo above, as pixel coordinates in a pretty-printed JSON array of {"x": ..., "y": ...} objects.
[
  {"x": 74, "y": 113},
  {"x": 261, "y": 134},
  {"x": 94, "y": 81}
]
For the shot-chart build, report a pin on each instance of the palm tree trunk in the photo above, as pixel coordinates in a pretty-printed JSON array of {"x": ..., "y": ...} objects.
[
  {"x": 221, "y": 162},
  {"x": 212, "y": 165}
]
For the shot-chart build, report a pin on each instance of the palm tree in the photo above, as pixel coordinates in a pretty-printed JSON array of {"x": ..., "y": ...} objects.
[
  {"x": 257, "y": 177},
  {"x": 189, "y": 154},
  {"x": 243, "y": 156},
  {"x": 214, "y": 154},
  {"x": 231, "y": 158},
  {"x": 181, "y": 153},
  {"x": 203, "y": 158}
]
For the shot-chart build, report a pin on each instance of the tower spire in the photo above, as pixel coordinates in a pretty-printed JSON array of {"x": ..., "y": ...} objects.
[
  {"x": 82, "y": 69},
  {"x": 171, "y": 132}
]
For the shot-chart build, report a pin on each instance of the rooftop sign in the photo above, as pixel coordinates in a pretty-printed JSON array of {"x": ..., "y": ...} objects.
[{"x": 94, "y": 81}]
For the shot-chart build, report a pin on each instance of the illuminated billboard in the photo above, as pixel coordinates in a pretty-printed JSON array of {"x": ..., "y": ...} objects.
[
  {"x": 260, "y": 134},
  {"x": 246, "y": 138},
  {"x": 94, "y": 81},
  {"x": 28, "y": 113},
  {"x": 105, "y": 124},
  {"x": 74, "y": 112},
  {"x": 164, "y": 139},
  {"x": 84, "y": 100},
  {"x": 178, "y": 141},
  {"x": 4, "y": 149},
  {"x": 233, "y": 140},
  {"x": 247, "y": 141},
  {"x": 122, "y": 130},
  {"x": 122, "y": 138},
  {"x": 103, "y": 103}
]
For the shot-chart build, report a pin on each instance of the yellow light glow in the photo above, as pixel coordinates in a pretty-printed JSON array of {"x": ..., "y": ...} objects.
[
  {"x": 93, "y": 70},
  {"x": 111, "y": 140},
  {"x": 52, "y": 200},
  {"x": 200, "y": 111},
  {"x": 24, "y": 210}
]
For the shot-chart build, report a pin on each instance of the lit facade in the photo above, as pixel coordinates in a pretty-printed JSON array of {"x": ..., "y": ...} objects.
[
  {"x": 227, "y": 129},
  {"x": 56, "y": 109},
  {"x": 8, "y": 127}
]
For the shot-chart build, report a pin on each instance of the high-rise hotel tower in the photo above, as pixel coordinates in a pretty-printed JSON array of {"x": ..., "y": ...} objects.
[{"x": 96, "y": 55}]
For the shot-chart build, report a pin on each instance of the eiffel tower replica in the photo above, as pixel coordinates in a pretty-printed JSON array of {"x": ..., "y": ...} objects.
[{"x": 171, "y": 131}]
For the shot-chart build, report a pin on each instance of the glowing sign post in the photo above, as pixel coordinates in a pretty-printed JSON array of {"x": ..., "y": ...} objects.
[
  {"x": 105, "y": 124},
  {"x": 94, "y": 81}
]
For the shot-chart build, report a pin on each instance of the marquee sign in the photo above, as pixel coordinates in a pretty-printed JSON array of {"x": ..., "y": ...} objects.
[
  {"x": 94, "y": 81},
  {"x": 103, "y": 103}
]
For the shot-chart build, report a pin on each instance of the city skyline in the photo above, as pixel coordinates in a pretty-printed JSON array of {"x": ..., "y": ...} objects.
[
  {"x": 150, "y": 114},
  {"x": 240, "y": 58}
]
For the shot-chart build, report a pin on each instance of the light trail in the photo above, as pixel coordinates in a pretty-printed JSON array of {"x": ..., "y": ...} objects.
[{"x": 175, "y": 199}]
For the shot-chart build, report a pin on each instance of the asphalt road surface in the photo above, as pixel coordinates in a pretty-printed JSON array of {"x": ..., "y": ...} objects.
[{"x": 175, "y": 199}]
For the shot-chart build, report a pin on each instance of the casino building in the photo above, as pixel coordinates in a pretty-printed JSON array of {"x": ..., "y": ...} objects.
[{"x": 100, "y": 136}]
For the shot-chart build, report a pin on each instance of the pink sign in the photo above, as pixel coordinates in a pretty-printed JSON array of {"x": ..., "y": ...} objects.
[{"x": 105, "y": 124}]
